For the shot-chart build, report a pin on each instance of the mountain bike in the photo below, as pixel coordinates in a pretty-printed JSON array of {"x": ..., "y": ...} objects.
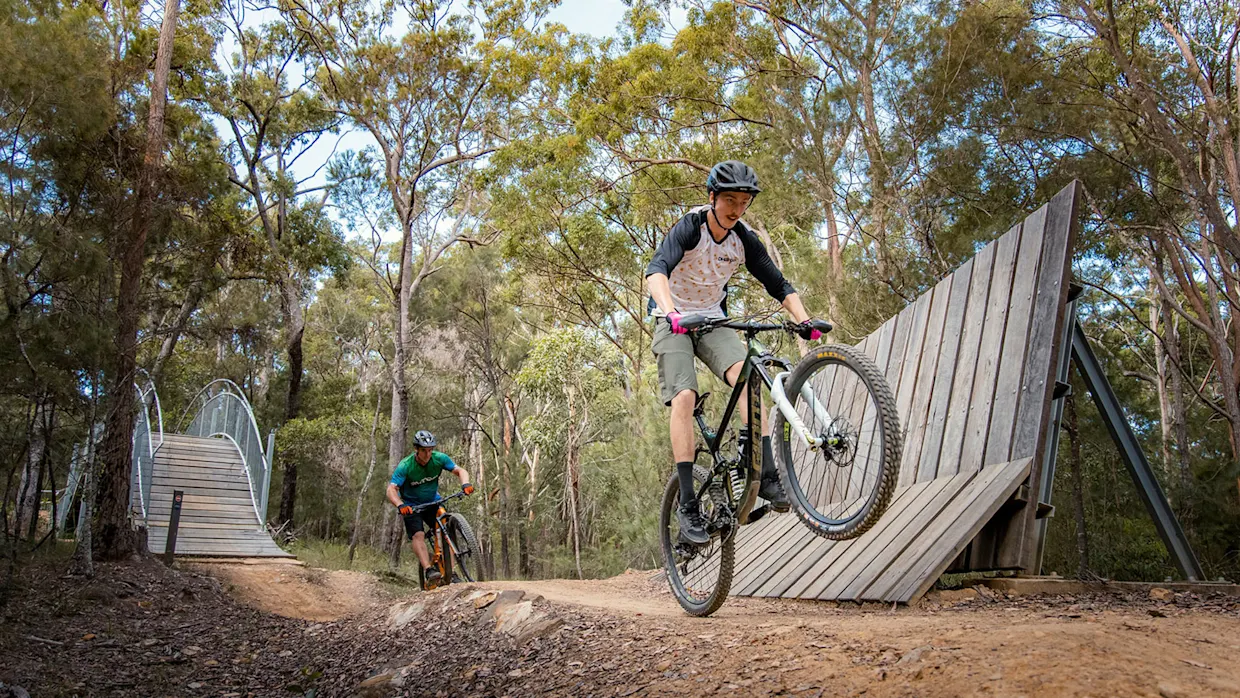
[
  {"x": 452, "y": 546},
  {"x": 837, "y": 443}
]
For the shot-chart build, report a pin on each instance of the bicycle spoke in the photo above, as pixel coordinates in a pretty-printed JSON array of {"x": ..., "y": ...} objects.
[{"x": 838, "y": 483}]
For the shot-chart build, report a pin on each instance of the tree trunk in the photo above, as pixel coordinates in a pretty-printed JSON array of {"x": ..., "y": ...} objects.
[
  {"x": 83, "y": 562},
  {"x": 117, "y": 538},
  {"x": 27, "y": 510},
  {"x": 508, "y": 420},
  {"x": 370, "y": 471},
  {"x": 1162, "y": 335},
  {"x": 527, "y": 521},
  {"x": 572, "y": 480},
  {"x": 296, "y": 328},
  {"x": 188, "y": 306},
  {"x": 1078, "y": 486}
]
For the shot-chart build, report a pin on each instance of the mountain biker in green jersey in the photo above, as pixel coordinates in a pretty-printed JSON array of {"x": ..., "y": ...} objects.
[
  {"x": 416, "y": 481},
  {"x": 689, "y": 275}
]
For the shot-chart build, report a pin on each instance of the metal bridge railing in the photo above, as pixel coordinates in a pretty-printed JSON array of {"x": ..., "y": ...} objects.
[
  {"x": 148, "y": 436},
  {"x": 223, "y": 411}
]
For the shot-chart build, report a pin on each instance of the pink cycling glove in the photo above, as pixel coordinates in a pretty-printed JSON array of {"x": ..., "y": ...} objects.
[{"x": 673, "y": 319}]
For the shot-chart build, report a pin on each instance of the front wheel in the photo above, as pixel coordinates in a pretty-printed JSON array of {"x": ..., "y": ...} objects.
[
  {"x": 840, "y": 486},
  {"x": 468, "y": 553},
  {"x": 700, "y": 576}
]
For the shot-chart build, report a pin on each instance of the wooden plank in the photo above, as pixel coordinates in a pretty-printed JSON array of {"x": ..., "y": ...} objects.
[
  {"x": 217, "y": 448},
  {"x": 920, "y": 410},
  {"x": 908, "y": 373},
  {"x": 781, "y": 575},
  {"x": 850, "y": 391},
  {"x": 199, "y": 446},
  {"x": 196, "y": 445},
  {"x": 813, "y": 568},
  {"x": 759, "y": 545},
  {"x": 932, "y": 535},
  {"x": 859, "y": 475},
  {"x": 797, "y": 569},
  {"x": 814, "y": 551},
  {"x": 750, "y": 538},
  {"x": 200, "y": 459},
  {"x": 178, "y": 474},
  {"x": 966, "y": 363},
  {"x": 949, "y": 351},
  {"x": 1019, "y": 545},
  {"x": 759, "y": 567},
  {"x": 1015, "y": 339},
  {"x": 198, "y": 494},
  {"x": 798, "y": 540},
  {"x": 198, "y": 489},
  {"x": 964, "y": 518},
  {"x": 857, "y": 570},
  {"x": 205, "y": 525},
  {"x": 1047, "y": 325},
  {"x": 822, "y": 572},
  {"x": 882, "y": 360},
  {"x": 978, "y": 426}
]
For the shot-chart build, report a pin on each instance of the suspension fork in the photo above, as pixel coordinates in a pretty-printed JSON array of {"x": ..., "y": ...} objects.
[{"x": 784, "y": 405}]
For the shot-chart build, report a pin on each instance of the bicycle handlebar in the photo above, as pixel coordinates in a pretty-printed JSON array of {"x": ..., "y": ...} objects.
[
  {"x": 701, "y": 322},
  {"x": 437, "y": 502}
]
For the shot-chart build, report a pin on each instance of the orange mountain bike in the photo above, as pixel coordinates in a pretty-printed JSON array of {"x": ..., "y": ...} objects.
[{"x": 452, "y": 545}]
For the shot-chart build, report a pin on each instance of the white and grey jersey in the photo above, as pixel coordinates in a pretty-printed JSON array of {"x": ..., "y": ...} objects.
[{"x": 698, "y": 268}]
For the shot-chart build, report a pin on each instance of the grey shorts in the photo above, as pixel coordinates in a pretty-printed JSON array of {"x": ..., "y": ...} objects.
[{"x": 719, "y": 349}]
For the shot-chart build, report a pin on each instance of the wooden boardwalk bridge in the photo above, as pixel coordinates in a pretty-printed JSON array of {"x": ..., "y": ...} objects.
[{"x": 219, "y": 465}]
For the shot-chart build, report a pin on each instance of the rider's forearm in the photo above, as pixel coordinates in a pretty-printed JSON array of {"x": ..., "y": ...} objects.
[
  {"x": 393, "y": 495},
  {"x": 792, "y": 303},
  {"x": 661, "y": 291},
  {"x": 462, "y": 475}
]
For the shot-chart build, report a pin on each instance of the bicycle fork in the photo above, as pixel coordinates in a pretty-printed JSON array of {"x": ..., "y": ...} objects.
[{"x": 784, "y": 405}]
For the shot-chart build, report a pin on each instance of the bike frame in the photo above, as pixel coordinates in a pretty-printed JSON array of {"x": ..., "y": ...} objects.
[
  {"x": 753, "y": 375},
  {"x": 441, "y": 529}
]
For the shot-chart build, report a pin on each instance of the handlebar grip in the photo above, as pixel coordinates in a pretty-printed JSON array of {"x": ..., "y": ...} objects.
[
  {"x": 821, "y": 325},
  {"x": 693, "y": 322}
]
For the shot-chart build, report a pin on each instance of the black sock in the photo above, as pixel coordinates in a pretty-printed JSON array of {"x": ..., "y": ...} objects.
[
  {"x": 768, "y": 459},
  {"x": 684, "y": 470}
]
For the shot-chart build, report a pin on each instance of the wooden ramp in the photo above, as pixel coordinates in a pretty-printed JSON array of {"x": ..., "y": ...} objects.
[
  {"x": 218, "y": 516},
  {"x": 972, "y": 363}
]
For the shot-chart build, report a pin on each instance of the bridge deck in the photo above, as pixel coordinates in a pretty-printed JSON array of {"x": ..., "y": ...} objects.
[{"x": 218, "y": 517}]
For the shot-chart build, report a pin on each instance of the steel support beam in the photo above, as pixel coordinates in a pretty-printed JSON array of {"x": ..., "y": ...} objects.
[
  {"x": 1047, "y": 485},
  {"x": 1134, "y": 458}
]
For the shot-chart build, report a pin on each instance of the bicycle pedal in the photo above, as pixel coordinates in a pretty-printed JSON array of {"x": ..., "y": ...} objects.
[{"x": 758, "y": 513}]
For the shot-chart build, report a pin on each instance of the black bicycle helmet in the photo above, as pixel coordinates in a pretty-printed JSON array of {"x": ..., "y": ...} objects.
[
  {"x": 424, "y": 439},
  {"x": 732, "y": 175}
]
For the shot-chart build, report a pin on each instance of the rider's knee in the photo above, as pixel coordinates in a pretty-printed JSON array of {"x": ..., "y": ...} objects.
[{"x": 684, "y": 398}]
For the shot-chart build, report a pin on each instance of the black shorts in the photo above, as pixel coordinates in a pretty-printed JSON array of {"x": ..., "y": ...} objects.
[{"x": 419, "y": 521}]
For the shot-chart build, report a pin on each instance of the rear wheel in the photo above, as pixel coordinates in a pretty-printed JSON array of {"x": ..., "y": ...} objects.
[
  {"x": 841, "y": 486},
  {"x": 468, "y": 552},
  {"x": 700, "y": 576}
]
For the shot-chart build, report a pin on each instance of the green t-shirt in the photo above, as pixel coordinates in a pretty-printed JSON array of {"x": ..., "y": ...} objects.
[{"x": 419, "y": 484}]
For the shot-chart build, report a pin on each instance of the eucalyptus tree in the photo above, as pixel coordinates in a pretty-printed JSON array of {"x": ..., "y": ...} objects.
[
  {"x": 274, "y": 118},
  {"x": 438, "y": 91}
]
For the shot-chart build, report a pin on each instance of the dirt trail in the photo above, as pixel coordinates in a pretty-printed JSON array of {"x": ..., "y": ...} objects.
[
  {"x": 294, "y": 591},
  {"x": 952, "y": 644},
  {"x": 627, "y": 636},
  {"x": 140, "y": 629}
]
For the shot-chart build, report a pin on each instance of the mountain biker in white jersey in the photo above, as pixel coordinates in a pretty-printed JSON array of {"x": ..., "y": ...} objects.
[{"x": 689, "y": 275}]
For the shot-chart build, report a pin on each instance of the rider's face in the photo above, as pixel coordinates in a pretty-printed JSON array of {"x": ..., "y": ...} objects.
[
  {"x": 730, "y": 206},
  {"x": 422, "y": 454}
]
